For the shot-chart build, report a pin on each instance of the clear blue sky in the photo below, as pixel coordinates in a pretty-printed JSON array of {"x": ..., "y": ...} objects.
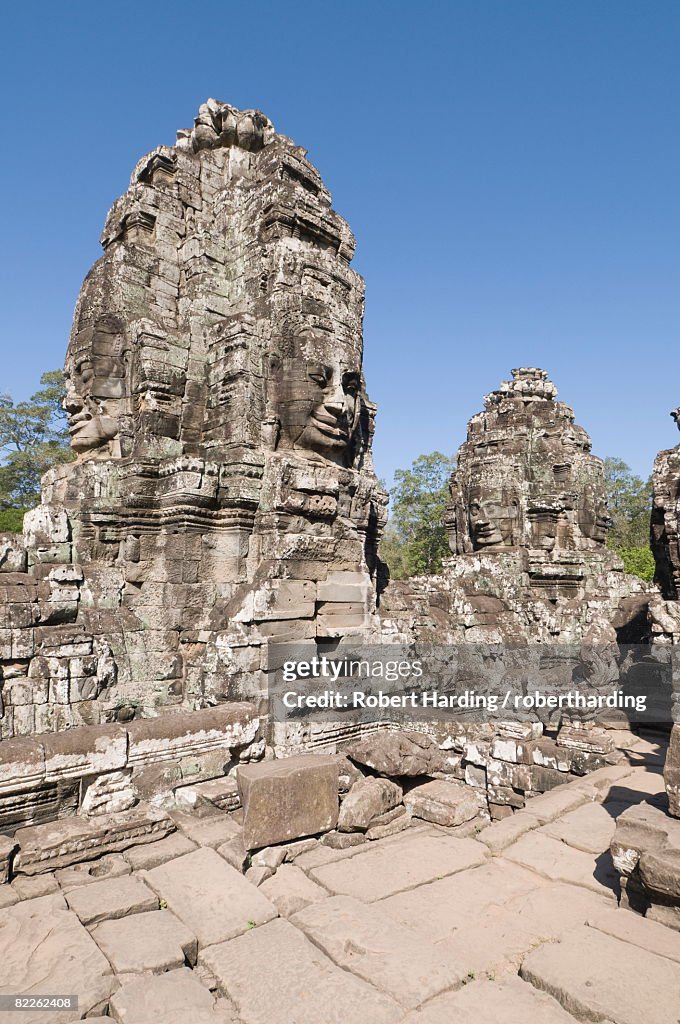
[{"x": 511, "y": 169}]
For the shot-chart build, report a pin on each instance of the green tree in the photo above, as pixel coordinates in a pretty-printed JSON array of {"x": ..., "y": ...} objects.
[
  {"x": 33, "y": 438},
  {"x": 415, "y": 539},
  {"x": 638, "y": 562},
  {"x": 630, "y": 501},
  {"x": 629, "y": 498}
]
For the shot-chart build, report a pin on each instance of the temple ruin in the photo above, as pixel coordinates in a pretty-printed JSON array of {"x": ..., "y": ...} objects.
[{"x": 222, "y": 502}]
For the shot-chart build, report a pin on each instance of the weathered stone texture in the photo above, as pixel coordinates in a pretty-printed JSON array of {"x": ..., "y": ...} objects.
[{"x": 288, "y": 798}]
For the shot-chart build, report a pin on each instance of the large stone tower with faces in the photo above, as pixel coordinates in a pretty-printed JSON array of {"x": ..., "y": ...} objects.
[
  {"x": 223, "y": 493},
  {"x": 528, "y": 522},
  {"x": 527, "y": 525}
]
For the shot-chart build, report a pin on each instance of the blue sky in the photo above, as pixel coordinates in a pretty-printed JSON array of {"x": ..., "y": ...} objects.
[{"x": 511, "y": 169}]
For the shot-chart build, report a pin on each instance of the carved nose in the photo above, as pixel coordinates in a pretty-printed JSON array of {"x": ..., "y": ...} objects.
[
  {"x": 72, "y": 402},
  {"x": 335, "y": 402}
]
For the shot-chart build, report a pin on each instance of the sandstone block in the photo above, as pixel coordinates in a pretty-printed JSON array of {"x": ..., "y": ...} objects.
[
  {"x": 290, "y": 890},
  {"x": 368, "y": 942},
  {"x": 595, "y": 977},
  {"x": 212, "y": 898},
  {"x": 275, "y": 975},
  {"x": 366, "y": 800},
  {"x": 400, "y": 863},
  {"x": 398, "y": 753},
  {"x": 487, "y": 1002},
  {"x": 175, "y": 997},
  {"x": 145, "y": 857},
  {"x": 45, "y": 949},
  {"x": 559, "y": 862},
  {"x": 153, "y": 942},
  {"x": 113, "y": 865},
  {"x": 288, "y": 798},
  {"x": 111, "y": 898},
  {"x": 442, "y": 802},
  {"x": 60, "y": 843}
]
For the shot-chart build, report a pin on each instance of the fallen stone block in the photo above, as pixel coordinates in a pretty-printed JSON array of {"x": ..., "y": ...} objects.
[
  {"x": 288, "y": 798},
  {"x": 382, "y": 829},
  {"x": 445, "y": 803},
  {"x": 398, "y": 753},
  {"x": 152, "y": 942},
  {"x": 366, "y": 800},
  {"x": 211, "y": 897}
]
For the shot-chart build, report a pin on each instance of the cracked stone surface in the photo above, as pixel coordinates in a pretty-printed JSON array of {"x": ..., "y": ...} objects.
[{"x": 422, "y": 927}]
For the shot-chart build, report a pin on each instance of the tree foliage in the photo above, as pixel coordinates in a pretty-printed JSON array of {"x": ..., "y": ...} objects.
[
  {"x": 33, "y": 438},
  {"x": 629, "y": 498},
  {"x": 415, "y": 539}
]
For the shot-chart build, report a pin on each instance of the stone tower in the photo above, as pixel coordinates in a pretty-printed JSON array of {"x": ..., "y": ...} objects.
[{"x": 223, "y": 493}]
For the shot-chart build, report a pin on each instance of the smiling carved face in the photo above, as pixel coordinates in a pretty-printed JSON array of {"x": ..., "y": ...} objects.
[
  {"x": 493, "y": 516},
  {"x": 95, "y": 385},
  {"x": 319, "y": 399}
]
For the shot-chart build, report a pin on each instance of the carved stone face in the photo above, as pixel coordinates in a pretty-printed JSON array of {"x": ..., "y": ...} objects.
[
  {"x": 95, "y": 386},
  {"x": 493, "y": 516},
  {"x": 594, "y": 518},
  {"x": 319, "y": 398}
]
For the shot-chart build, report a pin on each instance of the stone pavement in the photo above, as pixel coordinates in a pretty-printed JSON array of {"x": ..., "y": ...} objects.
[{"x": 514, "y": 922}]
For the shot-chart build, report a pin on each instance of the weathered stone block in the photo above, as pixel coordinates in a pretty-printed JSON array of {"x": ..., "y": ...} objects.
[
  {"x": 288, "y": 798},
  {"x": 398, "y": 753},
  {"x": 367, "y": 799},
  {"x": 445, "y": 803}
]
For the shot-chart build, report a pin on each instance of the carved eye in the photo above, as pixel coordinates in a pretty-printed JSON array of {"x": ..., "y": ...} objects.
[
  {"x": 351, "y": 386},
  {"x": 319, "y": 378}
]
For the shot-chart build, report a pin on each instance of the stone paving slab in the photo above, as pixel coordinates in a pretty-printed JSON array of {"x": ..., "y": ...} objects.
[
  {"x": 596, "y": 976},
  {"x": 589, "y": 828},
  {"x": 46, "y": 950},
  {"x": 552, "y": 910},
  {"x": 502, "y": 834},
  {"x": 212, "y": 898},
  {"x": 559, "y": 862},
  {"x": 30, "y": 887},
  {"x": 212, "y": 831},
  {"x": 638, "y": 930},
  {"x": 290, "y": 890},
  {"x": 143, "y": 858},
  {"x": 112, "y": 865},
  {"x": 111, "y": 898},
  {"x": 509, "y": 1001},
  {"x": 153, "y": 942},
  {"x": 176, "y": 997},
  {"x": 441, "y": 907},
  {"x": 403, "y": 863},
  {"x": 274, "y": 975},
  {"x": 365, "y": 940}
]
